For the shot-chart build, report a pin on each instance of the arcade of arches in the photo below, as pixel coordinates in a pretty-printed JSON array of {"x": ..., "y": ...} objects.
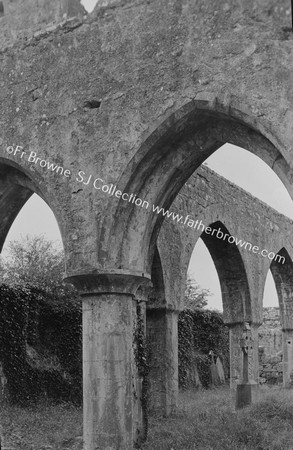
[
  {"x": 139, "y": 94},
  {"x": 242, "y": 274}
]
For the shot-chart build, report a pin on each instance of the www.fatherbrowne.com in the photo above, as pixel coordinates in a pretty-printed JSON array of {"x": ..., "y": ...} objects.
[
  {"x": 132, "y": 198},
  {"x": 218, "y": 233}
]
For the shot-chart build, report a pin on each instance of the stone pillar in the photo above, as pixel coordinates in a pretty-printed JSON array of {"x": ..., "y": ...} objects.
[
  {"x": 112, "y": 415},
  {"x": 287, "y": 337},
  {"x": 162, "y": 339},
  {"x": 236, "y": 355},
  {"x": 142, "y": 365}
]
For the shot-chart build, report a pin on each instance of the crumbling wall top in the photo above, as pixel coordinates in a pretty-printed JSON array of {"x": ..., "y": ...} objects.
[{"x": 22, "y": 18}]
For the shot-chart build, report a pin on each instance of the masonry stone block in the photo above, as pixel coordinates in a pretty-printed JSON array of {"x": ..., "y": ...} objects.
[
  {"x": 287, "y": 336},
  {"x": 162, "y": 338},
  {"x": 138, "y": 95},
  {"x": 247, "y": 394},
  {"x": 112, "y": 388}
]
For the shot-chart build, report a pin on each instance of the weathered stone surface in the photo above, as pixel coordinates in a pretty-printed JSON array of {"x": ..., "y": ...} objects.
[
  {"x": 211, "y": 199},
  {"x": 276, "y": 362},
  {"x": 270, "y": 332},
  {"x": 192, "y": 375},
  {"x": 271, "y": 371},
  {"x": 214, "y": 201},
  {"x": 112, "y": 388},
  {"x": 236, "y": 357},
  {"x": 23, "y": 19},
  {"x": 165, "y": 100},
  {"x": 138, "y": 95},
  {"x": 246, "y": 394},
  {"x": 162, "y": 338}
]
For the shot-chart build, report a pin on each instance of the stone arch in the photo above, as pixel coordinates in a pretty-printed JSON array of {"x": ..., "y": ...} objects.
[
  {"x": 157, "y": 298},
  {"x": 283, "y": 278},
  {"x": 166, "y": 160},
  {"x": 236, "y": 295},
  {"x": 232, "y": 274},
  {"x": 17, "y": 185},
  {"x": 162, "y": 317}
]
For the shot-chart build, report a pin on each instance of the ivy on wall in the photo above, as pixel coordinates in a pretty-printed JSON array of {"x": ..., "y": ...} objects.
[
  {"x": 25, "y": 317},
  {"x": 199, "y": 332},
  {"x": 141, "y": 355},
  {"x": 31, "y": 317}
]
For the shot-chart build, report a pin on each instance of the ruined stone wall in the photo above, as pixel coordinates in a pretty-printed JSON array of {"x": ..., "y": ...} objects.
[
  {"x": 271, "y": 317},
  {"x": 270, "y": 333},
  {"x": 209, "y": 197},
  {"x": 144, "y": 63},
  {"x": 23, "y": 18},
  {"x": 140, "y": 95},
  {"x": 271, "y": 355},
  {"x": 205, "y": 188}
]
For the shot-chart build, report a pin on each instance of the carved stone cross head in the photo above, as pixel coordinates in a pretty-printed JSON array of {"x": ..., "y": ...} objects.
[{"x": 246, "y": 340}]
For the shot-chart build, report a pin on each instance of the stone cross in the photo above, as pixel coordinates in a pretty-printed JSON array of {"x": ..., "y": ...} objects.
[{"x": 246, "y": 344}]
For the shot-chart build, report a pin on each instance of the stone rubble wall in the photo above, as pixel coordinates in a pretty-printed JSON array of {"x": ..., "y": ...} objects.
[
  {"x": 270, "y": 333},
  {"x": 270, "y": 346},
  {"x": 210, "y": 197}
]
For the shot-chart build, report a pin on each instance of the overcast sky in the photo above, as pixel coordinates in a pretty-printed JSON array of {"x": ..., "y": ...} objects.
[
  {"x": 89, "y": 4},
  {"x": 238, "y": 165},
  {"x": 252, "y": 174}
]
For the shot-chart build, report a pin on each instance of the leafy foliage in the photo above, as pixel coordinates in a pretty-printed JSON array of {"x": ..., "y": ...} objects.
[
  {"x": 27, "y": 383},
  {"x": 201, "y": 330},
  {"x": 41, "y": 311},
  {"x": 195, "y": 296},
  {"x": 14, "y": 309},
  {"x": 141, "y": 355},
  {"x": 37, "y": 263}
]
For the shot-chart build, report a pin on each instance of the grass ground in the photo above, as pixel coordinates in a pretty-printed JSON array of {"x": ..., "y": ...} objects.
[
  {"x": 43, "y": 427},
  {"x": 205, "y": 420}
]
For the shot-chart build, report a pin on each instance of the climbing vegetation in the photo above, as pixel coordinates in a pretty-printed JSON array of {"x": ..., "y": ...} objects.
[{"x": 199, "y": 332}]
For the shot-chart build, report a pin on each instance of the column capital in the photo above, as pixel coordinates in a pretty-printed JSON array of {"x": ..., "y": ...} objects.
[
  {"x": 108, "y": 282},
  {"x": 143, "y": 292}
]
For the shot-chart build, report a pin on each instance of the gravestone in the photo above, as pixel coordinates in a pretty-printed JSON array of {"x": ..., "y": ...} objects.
[{"x": 247, "y": 390}]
